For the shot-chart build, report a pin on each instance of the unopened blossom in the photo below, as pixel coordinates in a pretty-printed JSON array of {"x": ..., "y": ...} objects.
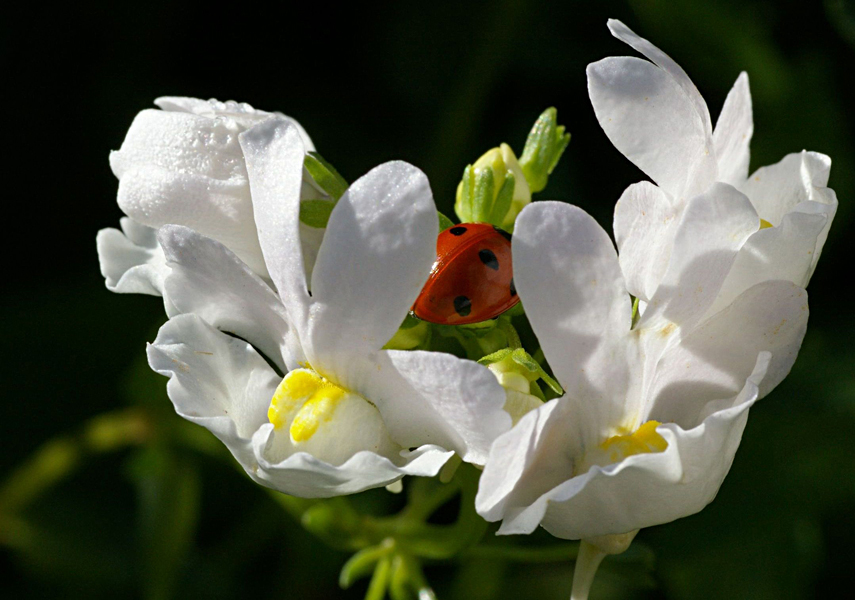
[
  {"x": 653, "y": 413},
  {"x": 183, "y": 165},
  {"x": 654, "y": 114},
  {"x": 347, "y": 415}
]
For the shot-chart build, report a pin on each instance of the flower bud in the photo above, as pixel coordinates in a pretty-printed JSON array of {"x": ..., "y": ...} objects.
[
  {"x": 545, "y": 144},
  {"x": 493, "y": 190},
  {"x": 518, "y": 373}
]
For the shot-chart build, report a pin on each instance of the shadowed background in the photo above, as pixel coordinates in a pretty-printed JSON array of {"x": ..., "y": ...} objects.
[{"x": 160, "y": 512}]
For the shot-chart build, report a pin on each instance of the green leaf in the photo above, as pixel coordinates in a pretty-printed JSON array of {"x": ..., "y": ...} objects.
[
  {"x": 325, "y": 175},
  {"x": 545, "y": 144},
  {"x": 316, "y": 213}
]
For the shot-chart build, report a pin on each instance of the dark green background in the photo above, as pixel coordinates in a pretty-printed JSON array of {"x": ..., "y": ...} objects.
[{"x": 436, "y": 84}]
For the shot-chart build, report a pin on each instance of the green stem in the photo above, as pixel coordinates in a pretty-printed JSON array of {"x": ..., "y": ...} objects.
[{"x": 380, "y": 579}]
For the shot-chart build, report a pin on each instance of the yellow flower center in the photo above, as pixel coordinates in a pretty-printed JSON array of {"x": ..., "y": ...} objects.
[
  {"x": 764, "y": 224},
  {"x": 312, "y": 396},
  {"x": 645, "y": 439}
]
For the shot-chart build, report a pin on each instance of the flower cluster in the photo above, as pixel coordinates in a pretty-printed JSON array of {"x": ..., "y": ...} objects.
[{"x": 288, "y": 292}]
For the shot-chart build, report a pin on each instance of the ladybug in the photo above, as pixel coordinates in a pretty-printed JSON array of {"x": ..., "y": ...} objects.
[{"x": 472, "y": 278}]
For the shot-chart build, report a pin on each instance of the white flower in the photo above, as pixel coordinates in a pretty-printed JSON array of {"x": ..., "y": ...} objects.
[
  {"x": 653, "y": 414},
  {"x": 346, "y": 413},
  {"x": 654, "y": 114},
  {"x": 183, "y": 165}
]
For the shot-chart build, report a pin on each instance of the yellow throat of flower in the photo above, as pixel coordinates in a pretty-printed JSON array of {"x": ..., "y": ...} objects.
[
  {"x": 316, "y": 397},
  {"x": 764, "y": 224},
  {"x": 643, "y": 440}
]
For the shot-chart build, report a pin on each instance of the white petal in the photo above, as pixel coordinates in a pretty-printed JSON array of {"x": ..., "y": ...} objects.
[
  {"x": 274, "y": 159},
  {"x": 733, "y": 131},
  {"x": 785, "y": 252},
  {"x": 665, "y": 62},
  {"x": 713, "y": 361},
  {"x": 240, "y": 112},
  {"x": 209, "y": 280},
  {"x": 433, "y": 398},
  {"x": 777, "y": 189},
  {"x": 713, "y": 227},
  {"x": 533, "y": 457},
  {"x": 655, "y": 116},
  {"x": 131, "y": 260},
  {"x": 378, "y": 249},
  {"x": 641, "y": 491},
  {"x": 188, "y": 170},
  {"x": 567, "y": 275},
  {"x": 217, "y": 381},
  {"x": 796, "y": 183},
  {"x": 309, "y": 477},
  {"x": 645, "y": 223}
]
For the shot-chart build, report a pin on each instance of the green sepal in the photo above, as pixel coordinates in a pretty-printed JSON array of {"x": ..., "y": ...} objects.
[
  {"x": 524, "y": 359},
  {"x": 502, "y": 204},
  {"x": 482, "y": 200},
  {"x": 463, "y": 204},
  {"x": 444, "y": 222},
  {"x": 325, "y": 175},
  {"x": 545, "y": 144},
  {"x": 316, "y": 213}
]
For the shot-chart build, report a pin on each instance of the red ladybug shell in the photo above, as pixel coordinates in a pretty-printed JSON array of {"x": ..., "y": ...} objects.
[{"x": 472, "y": 278}]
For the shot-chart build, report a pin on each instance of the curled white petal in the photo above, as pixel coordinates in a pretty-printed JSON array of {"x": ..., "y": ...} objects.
[
  {"x": 797, "y": 183},
  {"x": 207, "y": 279},
  {"x": 215, "y": 380},
  {"x": 223, "y": 384},
  {"x": 306, "y": 476},
  {"x": 131, "y": 260}
]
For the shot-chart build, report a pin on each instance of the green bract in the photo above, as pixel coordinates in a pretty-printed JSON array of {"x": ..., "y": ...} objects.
[
  {"x": 543, "y": 148},
  {"x": 498, "y": 186}
]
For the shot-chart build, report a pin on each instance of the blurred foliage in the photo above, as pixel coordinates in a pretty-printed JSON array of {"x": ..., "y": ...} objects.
[{"x": 156, "y": 512}]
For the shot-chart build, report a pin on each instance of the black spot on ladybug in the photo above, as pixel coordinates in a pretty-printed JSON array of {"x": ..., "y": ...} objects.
[
  {"x": 504, "y": 233},
  {"x": 489, "y": 259},
  {"x": 462, "y": 305},
  {"x": 513, "y": 288},
  {"x": 457, "y": 230}
]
